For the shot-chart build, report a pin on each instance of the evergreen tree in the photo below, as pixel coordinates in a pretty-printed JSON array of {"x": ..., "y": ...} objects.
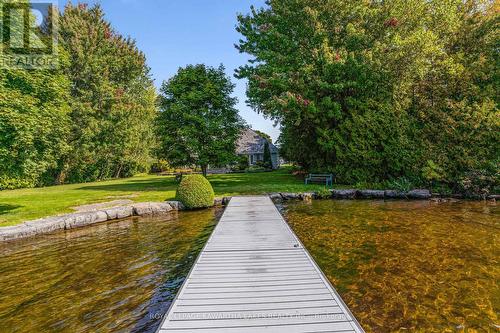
[
  {"x": 113, "y": 99},
  {"x": 198, "y": 123},
  {"x": 268, "y": 163}
]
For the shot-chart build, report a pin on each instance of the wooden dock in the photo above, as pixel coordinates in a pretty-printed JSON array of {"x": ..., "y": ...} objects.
[{"x": 254, "y": 275}]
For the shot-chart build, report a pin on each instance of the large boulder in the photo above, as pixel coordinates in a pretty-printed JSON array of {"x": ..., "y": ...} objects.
[
  {"x": 419, "y": 194},
  {"x": 47, "y": 224},
  {"x": 15, "y": 232},
  {"x": 344, "y": 194},
  {"x": 371, "y": 194},
  {"x": 119, "y": 212},
  {"x": 290, "y": 196},
  {"x": 83, "y": 219},
  {"x": 275, "y": 197},
  {"x": 151, "y": 208},
  {"x": 393, "y": 194}
]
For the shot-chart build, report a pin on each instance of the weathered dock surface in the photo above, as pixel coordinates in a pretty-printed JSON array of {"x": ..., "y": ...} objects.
[{"x": 254, "y": 275}]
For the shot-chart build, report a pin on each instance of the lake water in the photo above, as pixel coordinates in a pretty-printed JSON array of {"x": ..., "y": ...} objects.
[
  {"x": 408, "y": 266},
  {"x": 400, "y": 266},
  {"x": 112, "y": 277}
]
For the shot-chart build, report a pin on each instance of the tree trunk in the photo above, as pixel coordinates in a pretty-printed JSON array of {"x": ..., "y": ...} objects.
[
  {"x": 204, "y": 170},
  {"x": 60, "y": 177}
]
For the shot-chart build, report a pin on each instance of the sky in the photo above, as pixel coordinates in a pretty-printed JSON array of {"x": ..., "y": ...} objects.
[{"x": 175, "y": 33}]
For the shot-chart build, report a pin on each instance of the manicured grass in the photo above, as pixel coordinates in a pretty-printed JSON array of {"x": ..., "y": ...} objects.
[{"x": 26, "y": 204}]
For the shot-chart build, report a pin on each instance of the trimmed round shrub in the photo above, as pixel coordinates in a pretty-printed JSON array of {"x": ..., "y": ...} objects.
[{"x": 195, "y": 191}]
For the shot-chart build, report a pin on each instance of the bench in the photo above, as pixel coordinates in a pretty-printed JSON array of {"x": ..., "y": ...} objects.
[{"x": 320, "y": 178}]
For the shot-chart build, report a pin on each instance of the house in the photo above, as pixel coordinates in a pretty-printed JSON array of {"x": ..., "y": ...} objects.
[{"x": 252, "y": 145}]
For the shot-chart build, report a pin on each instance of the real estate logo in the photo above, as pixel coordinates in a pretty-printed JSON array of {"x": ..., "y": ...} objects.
[{"x": 28, "y": 32}]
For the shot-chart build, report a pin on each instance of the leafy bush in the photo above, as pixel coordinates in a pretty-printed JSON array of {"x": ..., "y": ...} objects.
[
  {"x": 262, "y": 164},
  {"x": 432, "y": 172},
  {"x": 481, "y": 182},
  {"x": 255, "y": 168},
  {"x": 7, "y": 183},
  {"x": 241, "y": 163},
  {"x": 323, "y": 193},
  {"x": 195, "y": 191},
  {"x": 161, "y": 166}
]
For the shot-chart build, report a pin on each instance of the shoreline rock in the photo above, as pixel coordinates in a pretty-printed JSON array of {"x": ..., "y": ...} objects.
[
  {"x": 344, "y": 194},
  {"x": 419, "y": 194},
  {"x": 151, "y": 208},
  {"x": 176, "y": 205},
  {"x": 371, "y": 194},
  {"x": 393, "y": 194}
]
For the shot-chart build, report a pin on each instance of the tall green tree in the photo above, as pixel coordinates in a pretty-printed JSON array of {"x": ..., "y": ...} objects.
[
  {"x": 34, "y": 122},
  {"x": 268, "y": 163},
  {"x": 198, "y": 123},
  {"x": 113, "y": 99},
  {"x": 373, "y": 90}
]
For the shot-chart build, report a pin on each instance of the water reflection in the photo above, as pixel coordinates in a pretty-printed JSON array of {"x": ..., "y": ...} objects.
[
  {"x": 408, "y": 266},
  {"x": 112, "y": 277}
]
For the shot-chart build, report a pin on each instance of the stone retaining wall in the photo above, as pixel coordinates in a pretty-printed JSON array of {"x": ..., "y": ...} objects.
[
  {"x": 418, "y": 194},
  {"x": 80, "y": 219}
]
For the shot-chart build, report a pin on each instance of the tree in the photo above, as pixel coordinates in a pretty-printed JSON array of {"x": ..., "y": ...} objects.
[
  {"x": 34, "y": 123},
  {"x": 264, "y": 135},
  {"x": 371, "y": 90},
  {"x": 113, "y": 99},
  {"x": 268, "y": 163},
  {"x": 198, "y": 123}
]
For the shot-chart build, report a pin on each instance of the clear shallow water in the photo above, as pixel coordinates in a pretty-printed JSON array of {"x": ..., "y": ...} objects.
[
  {"x": 408, "y": 266},
  {"x": 112, "y": 277}
]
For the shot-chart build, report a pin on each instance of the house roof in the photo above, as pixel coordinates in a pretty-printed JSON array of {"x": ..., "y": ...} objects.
[{"x": 250, "y": 142}]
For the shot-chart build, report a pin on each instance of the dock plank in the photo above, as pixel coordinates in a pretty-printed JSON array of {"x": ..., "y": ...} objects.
[{"x": 255, "y": 275}]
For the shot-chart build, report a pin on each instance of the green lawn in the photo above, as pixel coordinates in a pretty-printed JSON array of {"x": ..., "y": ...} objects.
[{"x": 27, "y": 204}]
